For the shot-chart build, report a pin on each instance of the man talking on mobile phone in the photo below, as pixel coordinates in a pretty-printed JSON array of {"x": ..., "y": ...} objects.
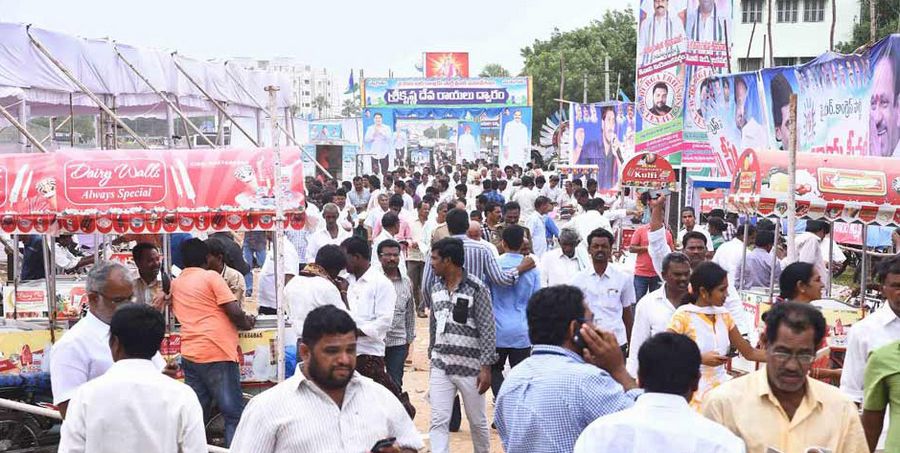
[
  {"x": 462, "y": 346},
  {"x": 575, "y": 375}
]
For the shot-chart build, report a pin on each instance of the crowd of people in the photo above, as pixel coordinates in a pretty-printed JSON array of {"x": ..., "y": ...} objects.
[{"x": 588, "y": 341}]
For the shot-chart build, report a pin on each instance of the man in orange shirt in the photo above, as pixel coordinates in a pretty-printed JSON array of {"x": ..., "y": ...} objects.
[
  {"x": 645, "y": 278},
  {"x": 210, "y": 317}
]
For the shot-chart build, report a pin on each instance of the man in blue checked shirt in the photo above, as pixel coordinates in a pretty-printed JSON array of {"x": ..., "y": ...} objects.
[
  {"x": 576, "y": 374},
  {"x": 509, "y": 304}
]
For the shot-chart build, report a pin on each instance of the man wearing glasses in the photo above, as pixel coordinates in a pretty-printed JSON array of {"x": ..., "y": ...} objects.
[
  {"x": 780, "y": 408},
  {"x": 83, "y": 353}
]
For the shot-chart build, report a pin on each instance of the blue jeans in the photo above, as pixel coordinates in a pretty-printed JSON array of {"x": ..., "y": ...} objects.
[
  {"x": 219, "y": 382},
  {"x": 249, "y": 255},
  {"x": 644, "y": 285},
  {"x": 394, "y": 359}
]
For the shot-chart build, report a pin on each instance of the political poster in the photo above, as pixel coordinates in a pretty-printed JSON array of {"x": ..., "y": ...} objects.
[
  {"x": 468, "y": 141},
  {"x": 734, "y": 118},
  {"x": 515, "y": 137},
  {"x": 319, "y": 132},
  {"x": 680, "y": 44},
  {"x": 348, "y": 161},
  {"x": 846, "y": 105},
  {"x": 446, "y": 65},
  {"x": 603, "y": 135},
  {"x": 378, "y": 134},
  {"x": 497, "y": 92}
]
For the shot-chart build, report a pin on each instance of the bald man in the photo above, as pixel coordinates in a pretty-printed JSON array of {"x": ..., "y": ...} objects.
[
  {"x": 884, "y": 130},
  {"x": 474, "y": 233}
]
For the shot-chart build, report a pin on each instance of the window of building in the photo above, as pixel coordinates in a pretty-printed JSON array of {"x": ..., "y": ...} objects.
[
  {"x": 751, "y": 11},
  {"x": 804, "y": 60},
  {"x": 785, "y": 61},
  {"x": 786, "y": 10},
  {"x": 749, "y": 64},
  {"x": 813, "y": 10}
]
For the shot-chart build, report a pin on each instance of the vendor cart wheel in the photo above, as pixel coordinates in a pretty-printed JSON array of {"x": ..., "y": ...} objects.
[
  {"x": 18, "y": 431},
  {"x": 215, "y": 427}
]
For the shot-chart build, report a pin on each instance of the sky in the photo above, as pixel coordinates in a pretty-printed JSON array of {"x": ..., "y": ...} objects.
[{"x": 334, "y": 34}]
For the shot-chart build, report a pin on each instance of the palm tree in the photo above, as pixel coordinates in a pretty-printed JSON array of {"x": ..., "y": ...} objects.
[{"x": 321, "y": 103}]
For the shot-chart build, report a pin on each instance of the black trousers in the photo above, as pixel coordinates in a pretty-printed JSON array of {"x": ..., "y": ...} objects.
[{"x": 515, "y": 356}]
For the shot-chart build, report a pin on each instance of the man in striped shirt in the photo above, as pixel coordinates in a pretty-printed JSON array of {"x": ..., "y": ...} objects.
[{"x": 461, "y": 346}]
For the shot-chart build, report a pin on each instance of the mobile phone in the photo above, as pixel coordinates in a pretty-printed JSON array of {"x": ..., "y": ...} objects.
[
  {"x": 166, "y": 282},
  {"x": 383, "y": 443},
  {"x": 577, "y": 339},
  {"x": 732, "y": 352},
  {"x": 461, "y": 310}
]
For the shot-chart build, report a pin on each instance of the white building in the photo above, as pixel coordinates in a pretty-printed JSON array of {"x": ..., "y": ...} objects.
[
  {"x": 801, "y": 30},
  {"x": 309, "y": 84}
]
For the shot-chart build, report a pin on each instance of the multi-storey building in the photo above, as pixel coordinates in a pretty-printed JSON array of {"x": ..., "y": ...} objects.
[{"x": 801, "y": 30}]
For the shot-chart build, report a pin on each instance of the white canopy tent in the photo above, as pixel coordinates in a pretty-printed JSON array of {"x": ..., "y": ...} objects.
[{"x": 32, "y": 85}]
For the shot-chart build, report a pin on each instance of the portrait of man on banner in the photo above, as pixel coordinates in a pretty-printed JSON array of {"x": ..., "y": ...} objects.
[
  {"x": 884, "y": 116},
  {"x": 660, "y": 99},
  {"x": 515, "y": 142},
  {"x": 708, "y": 21},
  {"x": 378, "y": 141},
  {"x": 748, "y": 114},
  {"x": 781, "y": 92},
  {"x": 467, "y": 142},
  {"x": 662, "y": 24}
]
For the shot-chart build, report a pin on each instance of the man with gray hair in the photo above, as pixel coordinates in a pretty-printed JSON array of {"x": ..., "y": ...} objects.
[
  {"x": 83, "y": 353},
  {"x": 559, "y": 265},
  {"x": 332, "y": 234}
]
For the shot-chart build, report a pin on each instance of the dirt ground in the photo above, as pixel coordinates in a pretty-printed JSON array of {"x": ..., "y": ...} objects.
[{"x": 415, "y": 381}]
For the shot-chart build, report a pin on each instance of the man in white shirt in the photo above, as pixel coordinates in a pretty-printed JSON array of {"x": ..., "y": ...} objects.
[
  {"x": 809, "y": 247},
  {"x": 391, "y": 230},
  {"x": 132, "y": 407},
  {"x": 372, "y": 299},
  {"x": 553, "y": 191},
  {"x": 535, "y": 224},
  {"x": 873, "y": 332},
  {"x": 689, "y": 222},
  {"x": 515, "y": 142},
  {"x": 655, "y": 310},
  {"x": 317, "y": 285},
  {"x": 419, "y": 248},
  {"x": 525, "y": 196},
  {"x": 332, "y": 233},
  {"x": 730, "y": 254},
  {"x": 83, "y": 354},
  {"x": 326, "y": 406},
  {"x": 266, "y": 298},
  {"x": 400, "y": 189},
  {"x": 661, "y": 420},
  {"x": 559, "y": 265},
  {"x": 588, "y": 221},
  {"x": 607, "y": 292},
  {"x": 662, "y": 26}
]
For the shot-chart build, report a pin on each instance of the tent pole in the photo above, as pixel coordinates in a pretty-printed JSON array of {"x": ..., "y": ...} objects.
[
  {"x": 830, "y": 258},
  {"x": 214, "y": 102},
  {"x": 72, "y": 124},
  {"x": 84, "y": 89},
  {"x": 23, "y": 120},
  {"x": 50, "y": 281},
  {"x": 259, "y": 123},
  {"x": 740, "y": 280},
  {"x": 279, "y": 235},
  {"x": 792, "y": 188},
  {"x": 774, "y": 263},
  {"x": 290, "y": 137},
  {"x": 22, "y": 129},
  {"x": 164, "y": 98},
  {"x": 863, "y": 273}
]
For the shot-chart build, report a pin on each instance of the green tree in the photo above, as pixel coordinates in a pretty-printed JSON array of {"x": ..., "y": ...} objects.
[
  {"x": 350, "y": 107},
  {"x": 583, "y": 51},
  {"x": 886, "y": 22},
  {"x": 493, "y": 70}
]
